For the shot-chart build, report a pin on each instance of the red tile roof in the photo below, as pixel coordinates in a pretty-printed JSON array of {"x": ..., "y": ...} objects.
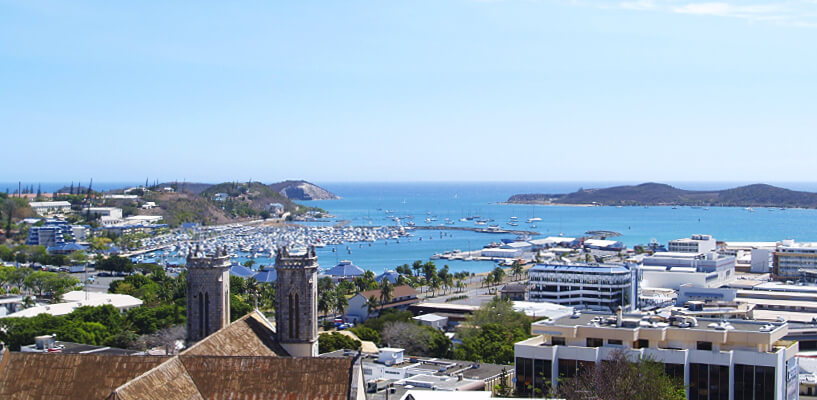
[
  {"x": 399, "y": 291},
  {"x": 68, "y": 376}
]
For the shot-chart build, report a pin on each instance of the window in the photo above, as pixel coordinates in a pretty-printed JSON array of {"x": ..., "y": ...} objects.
[
  {"x": 754, "y": 382},
  {"x": 542, "y": 370},
  {"x": 201, "y": 316},
  {"x": 704, "y": 345},
  {"x": 615, "y": 342},
  {"x": 207, "y": 329},
  {"x": 708, "y": 382},
  {"x": 641, "y": 344},
  {"x": 675, "y": 371},
  {"x": 567, "y": 368},
  {"x": 595, "y": 342},
  {"x": 524, "y": 375},
  {"x": 558, "y": 340}
]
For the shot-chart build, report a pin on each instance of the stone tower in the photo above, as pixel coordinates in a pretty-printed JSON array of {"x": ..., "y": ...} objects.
[
  {"x": 296, "y": 299},
  {"x": 208, "y": 293}
]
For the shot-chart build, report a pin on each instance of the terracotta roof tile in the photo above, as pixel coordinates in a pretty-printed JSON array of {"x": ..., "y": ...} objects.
[
  {"x": 399, "y": 291},
  {"x": 250, "y": 335},
  {"x": 68, "y": 376},
  {"x": 167, "y": 381},
  {"x": 270, "y": 377}
]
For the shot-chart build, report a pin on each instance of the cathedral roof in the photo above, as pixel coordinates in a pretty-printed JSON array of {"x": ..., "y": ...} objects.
[
  {"x": 68, "y": 376},
  {"x": 250, "y": 335},
  {"x": 240, "y": 361},
  {"x": 213, "y": 377}
]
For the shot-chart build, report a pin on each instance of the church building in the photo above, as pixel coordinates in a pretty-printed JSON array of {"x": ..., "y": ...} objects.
[{"x": 248, "y": 358}]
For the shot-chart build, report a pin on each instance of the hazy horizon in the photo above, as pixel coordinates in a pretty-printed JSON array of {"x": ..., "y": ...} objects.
[{"x": 565, "y": 186}]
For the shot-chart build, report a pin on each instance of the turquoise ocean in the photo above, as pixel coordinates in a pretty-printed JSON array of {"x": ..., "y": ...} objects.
[{"x": 364, "y": 204}]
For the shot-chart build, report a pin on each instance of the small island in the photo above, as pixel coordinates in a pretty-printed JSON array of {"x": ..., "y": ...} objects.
[{"x": 658, "y": 194}]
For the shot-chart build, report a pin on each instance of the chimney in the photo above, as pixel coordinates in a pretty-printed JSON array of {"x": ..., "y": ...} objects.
[{"x": 618, "y": 317}]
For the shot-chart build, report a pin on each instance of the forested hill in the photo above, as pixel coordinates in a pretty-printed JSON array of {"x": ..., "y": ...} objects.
[
  {"x": 291, "y": 189},
  {"x": 302, "y": 190},
  {"x": 652, "y": 194}
]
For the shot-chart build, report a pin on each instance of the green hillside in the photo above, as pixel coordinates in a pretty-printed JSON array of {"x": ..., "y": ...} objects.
[{"x": 758, "y": 195}]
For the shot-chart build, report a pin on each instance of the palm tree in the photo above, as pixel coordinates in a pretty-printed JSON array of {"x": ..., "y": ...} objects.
[
  {"x": 386, "y": 291},
  {"x": 325, "y": 302},
  {"x": 417, "y": 266},
  {"x": 340, "y": 301},
  {"x": 460, "y": 285},
  {"x": 516, "y": 269},
  {"x": 449, "y": 281},
  {"x": 434, "y": 285},
  {"x": 499, "y": 274},
  {"x": 488, "y": 280},
  {"x": 372, "y": 303}
]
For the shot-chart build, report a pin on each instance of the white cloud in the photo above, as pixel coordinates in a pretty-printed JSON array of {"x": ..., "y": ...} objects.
[
  {"x": 801, "y": 13},
  {"x": 638, "y": 5}
]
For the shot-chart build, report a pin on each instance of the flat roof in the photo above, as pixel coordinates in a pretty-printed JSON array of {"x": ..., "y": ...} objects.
[
  {"x": 34, "y": 204},
  {"x": 750, "y": 244},
  {"x": 609, "y": 268},
  {"x": 589, "y": 318},
  {"x": 601, "y": 242},
  {"x": 674, "y": 254},
  {"x": 542, "y": 309},
  {"x": 517, "y": 245},
  {"x": 144, "y": 217},
  {"x": 446, "y": 306},
  {"x": 76, "y": 299},
  {"x": 773, "y": 315},
  {"x": 430, "y": 317}
]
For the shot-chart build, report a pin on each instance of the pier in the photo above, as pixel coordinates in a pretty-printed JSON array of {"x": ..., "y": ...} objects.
[{"x": 474, "y": 229}]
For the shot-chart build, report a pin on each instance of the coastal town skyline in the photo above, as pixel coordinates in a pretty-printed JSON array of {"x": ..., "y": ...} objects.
[{"x": 431, "y": 91}]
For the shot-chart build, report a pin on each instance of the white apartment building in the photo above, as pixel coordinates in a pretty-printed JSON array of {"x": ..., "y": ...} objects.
[
  {"x": 602, "y": 287},
  {"x": 755, "y": 257},
  {"x": 792, "y": 257},
  {"x": 670, "y": 270},
  {"x": 693, "y": 244},
  {"x": 111, "y": 212},
  {"x": 107, "y": 215},
  {"x": 716, "y": 359},
  {"x": 50, "y": 207}
]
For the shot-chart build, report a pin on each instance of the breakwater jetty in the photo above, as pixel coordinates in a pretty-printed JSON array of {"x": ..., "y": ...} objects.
[{"x": 474, "y": 229}]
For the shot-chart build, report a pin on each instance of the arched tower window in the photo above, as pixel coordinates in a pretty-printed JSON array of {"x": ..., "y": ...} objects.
[
  {"x": 201, "y": 312},
  {"x": 290, "y": 316},
  {"x": 297, "y": 319},
  {"x": 207, "y": 312}
]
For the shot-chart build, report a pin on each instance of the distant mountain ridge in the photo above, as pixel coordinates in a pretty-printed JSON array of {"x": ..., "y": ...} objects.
[
  {"x": 291, "y": 189},
  {"x": 654, "y": 194}
]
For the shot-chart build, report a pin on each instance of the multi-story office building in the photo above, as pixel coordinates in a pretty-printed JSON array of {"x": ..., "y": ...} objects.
[
  {"x": 602, "y": 287},
  {"x": 716, "y": 359},
  {"x": 53, "y": 233},
  {"x": 693, "y": 244},
  {"x": 792, "y": 259}
]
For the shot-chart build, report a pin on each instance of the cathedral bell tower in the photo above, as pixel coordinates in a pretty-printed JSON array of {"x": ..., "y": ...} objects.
[
  {"x": 296, "y": 299},
  {"x": 208, "y": 293}
]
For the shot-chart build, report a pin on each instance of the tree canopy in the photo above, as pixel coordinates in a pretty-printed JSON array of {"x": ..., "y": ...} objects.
[
  {"x": 488, "y": 335},
  {"x": 619, "y": 379}
]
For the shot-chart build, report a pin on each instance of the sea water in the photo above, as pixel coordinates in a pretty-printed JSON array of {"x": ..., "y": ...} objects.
[{"x": 366, "y": 204}]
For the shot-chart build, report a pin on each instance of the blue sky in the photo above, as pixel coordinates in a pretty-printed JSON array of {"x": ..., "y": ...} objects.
[{"x": 522, "y": 90}]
